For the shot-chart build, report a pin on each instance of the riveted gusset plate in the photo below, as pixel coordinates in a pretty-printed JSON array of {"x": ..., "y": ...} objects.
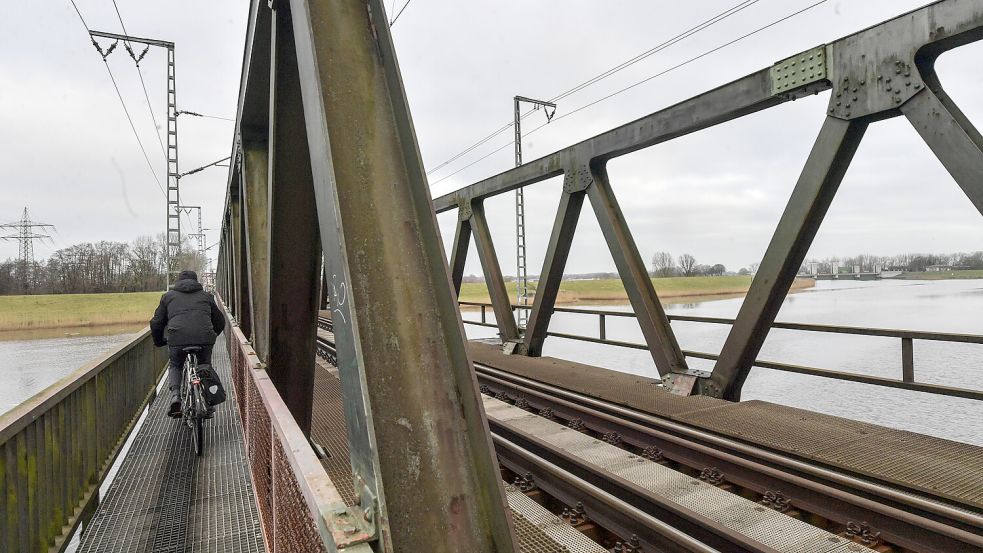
[
  {"x": 577, "y": 180},
  {"x": 799, "y": 71}
]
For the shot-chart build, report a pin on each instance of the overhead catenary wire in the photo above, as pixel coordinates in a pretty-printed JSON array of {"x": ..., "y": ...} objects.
[
  {"x": 737, "y": 8},
  {"x": 122, "y": 103},
  {"x": 643, "y": 81},
  {"x": 393, "y": 22},
  {"x": 146, "y": 95}
]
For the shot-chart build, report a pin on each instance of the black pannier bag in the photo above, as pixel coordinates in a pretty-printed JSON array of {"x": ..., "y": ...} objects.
[{"x": 214, "y": 391}]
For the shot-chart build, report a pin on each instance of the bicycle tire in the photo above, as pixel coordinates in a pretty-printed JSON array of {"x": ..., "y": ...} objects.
[{"x": 198, "y": 437}]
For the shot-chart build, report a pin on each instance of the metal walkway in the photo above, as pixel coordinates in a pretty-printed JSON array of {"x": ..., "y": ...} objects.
[{"x": 166, "y": 500}]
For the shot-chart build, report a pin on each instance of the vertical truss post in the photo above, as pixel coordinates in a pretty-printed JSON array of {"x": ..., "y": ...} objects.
[
  {"x": 242, "y": 301},
  {"x": 561, "y": 239},
  {"x": 651, "y": 316},
  {"x": 420, "y": 447},
  {"x": 499, "y": 295},
  {"x": 827, "y": 163},
  {"x": 459, "y": 251},
  {"x": 294, "y": 245},
  {"x": 256, "y": 191}
]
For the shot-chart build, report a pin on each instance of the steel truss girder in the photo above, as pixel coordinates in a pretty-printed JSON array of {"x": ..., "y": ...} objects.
[
  {"x": 881, "y": 72},
  {"x": 345, "y": 172}
]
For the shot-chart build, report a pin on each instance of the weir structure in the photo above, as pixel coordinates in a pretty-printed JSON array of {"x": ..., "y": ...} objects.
[{"x": 367, "y": 422}]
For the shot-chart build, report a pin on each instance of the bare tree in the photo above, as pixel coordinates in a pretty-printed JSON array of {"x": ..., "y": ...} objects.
[
  {"x": 686, "y": 264},
  {"x": 663, "y": 264}
]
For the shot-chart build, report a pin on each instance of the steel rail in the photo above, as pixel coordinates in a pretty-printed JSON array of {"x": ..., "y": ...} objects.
[
  {"x": 907, "y": 520},
  {"x": 703, "y": 529},
  {"x": 615, "y": 511}
]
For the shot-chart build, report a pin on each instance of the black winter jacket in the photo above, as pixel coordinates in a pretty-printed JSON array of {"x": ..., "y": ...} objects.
[{"x": 187, "y": 316}]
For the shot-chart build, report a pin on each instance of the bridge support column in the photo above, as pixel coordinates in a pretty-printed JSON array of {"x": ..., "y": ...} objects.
[
  {"x": 294, "y": 248},
  {"x": 420, "y": 448},
  {"x": 831, "y": 155}
]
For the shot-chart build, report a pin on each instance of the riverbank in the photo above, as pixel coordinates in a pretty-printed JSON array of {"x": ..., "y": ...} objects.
[
  {"x": 612, "y": 289},
  {"x": 941, "y": 275},
  {"x": 73, "y": 311}
]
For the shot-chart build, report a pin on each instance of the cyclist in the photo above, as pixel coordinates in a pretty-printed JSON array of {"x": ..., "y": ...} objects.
[{"x": 187, "y": 316}]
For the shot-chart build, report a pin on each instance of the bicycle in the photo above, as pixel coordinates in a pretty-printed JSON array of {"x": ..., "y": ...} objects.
[{"x": 194, "y": 408}]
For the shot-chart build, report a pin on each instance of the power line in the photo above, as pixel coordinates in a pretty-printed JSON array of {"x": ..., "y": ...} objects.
[
  {"x": 645, "y": 80},
  {"x": 393, "y": 22},
  {"x": 132, "y": 126},
  {"x": 120, "y": 96},
  {"x": 659, "y": 47},
  {"x": 605, "y": 74},
  {"x": 186, "y": 112},
  {"x": 136, "y": 60}
]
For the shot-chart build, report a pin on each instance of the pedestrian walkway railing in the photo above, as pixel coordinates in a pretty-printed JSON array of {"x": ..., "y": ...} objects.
[
  {"x": 906, "y": 337},
  {"x": 57, "y": 447},
  {"x": 300, "y": 507}
]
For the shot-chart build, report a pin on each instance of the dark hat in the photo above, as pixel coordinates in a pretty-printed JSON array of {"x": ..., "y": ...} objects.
[{"x": 188, "y": 275}]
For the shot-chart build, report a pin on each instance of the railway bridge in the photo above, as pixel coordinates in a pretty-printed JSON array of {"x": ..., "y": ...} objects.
[{"x": 361, "y": 418}]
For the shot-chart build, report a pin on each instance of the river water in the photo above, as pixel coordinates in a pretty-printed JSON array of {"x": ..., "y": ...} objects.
[
  {"x": 945, "y": 306},
  {"x": 30, "y": 365}
]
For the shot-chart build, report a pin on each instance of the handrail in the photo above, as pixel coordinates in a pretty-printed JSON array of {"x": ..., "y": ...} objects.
[
  {"x": 907, "y": 336},
  {"x": 57, "y": 447},
  {"x": 283, "y": 465}
]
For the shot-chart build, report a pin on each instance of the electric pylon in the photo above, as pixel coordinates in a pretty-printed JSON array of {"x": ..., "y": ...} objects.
[{"x": 26, "y": 232}]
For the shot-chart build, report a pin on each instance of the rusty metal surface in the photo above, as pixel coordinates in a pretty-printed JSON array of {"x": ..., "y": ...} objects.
[
  {"x": 745, "y": 521},
  {"x": 536, "y": 529},
  {"x": 948, "y": 469},
  {"x": 938, "y": 467},
  {"x": 328, "y": 430},
  {"x": 165, "y": 499},
  {"x": 540, "y": 531},
  {"x": 935, "y": 466},
  {"x": 634, "y": 391}
]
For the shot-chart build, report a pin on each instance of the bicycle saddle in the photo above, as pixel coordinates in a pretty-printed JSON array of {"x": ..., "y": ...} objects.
[{"x": 191, "y": 349}]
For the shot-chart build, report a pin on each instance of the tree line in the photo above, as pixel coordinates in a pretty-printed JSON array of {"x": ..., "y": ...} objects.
[
  {"x": 906, "y": 262},
  {"x": 105, "y": 266},
  {"x": 665, "y": 265}
]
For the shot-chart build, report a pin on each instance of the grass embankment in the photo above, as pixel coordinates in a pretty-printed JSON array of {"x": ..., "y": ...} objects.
[
  {"x": 610, "y": 290},
  {"x": 942, "y": 275},
  {"x": 75, "y": 310}
]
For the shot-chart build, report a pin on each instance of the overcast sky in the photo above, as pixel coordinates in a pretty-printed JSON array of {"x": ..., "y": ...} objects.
[{"x": 70, "y": 156}]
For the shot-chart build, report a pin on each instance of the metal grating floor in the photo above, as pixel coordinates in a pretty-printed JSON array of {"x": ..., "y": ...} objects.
[
  {"x": 166, "y": 500},
  {"x": 768, "y": 528},
  {"x": 941, "y": 469}
]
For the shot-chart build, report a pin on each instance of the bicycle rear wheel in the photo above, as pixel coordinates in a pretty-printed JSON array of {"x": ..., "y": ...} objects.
[
  {"x": 201, "y": 408},
  {"x": 198, "y": 436}
]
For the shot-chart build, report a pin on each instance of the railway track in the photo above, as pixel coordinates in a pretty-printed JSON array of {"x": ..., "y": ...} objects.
[{"x": 861, "y": 514}]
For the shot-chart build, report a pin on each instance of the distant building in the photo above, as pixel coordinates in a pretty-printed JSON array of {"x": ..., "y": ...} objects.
[{"x": 940, "y": 268}]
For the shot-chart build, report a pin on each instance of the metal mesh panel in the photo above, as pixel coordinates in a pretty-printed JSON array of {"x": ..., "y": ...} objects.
[
  {"x": 258, "y": 450},
  {"x": 328, "y": 429},
  {"x": 294, "y": 529}
]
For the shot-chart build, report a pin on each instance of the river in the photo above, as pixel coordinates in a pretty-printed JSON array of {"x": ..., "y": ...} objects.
[
  {"x": 942, "y": 305},
  {"x": 29, "y": 365}
]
